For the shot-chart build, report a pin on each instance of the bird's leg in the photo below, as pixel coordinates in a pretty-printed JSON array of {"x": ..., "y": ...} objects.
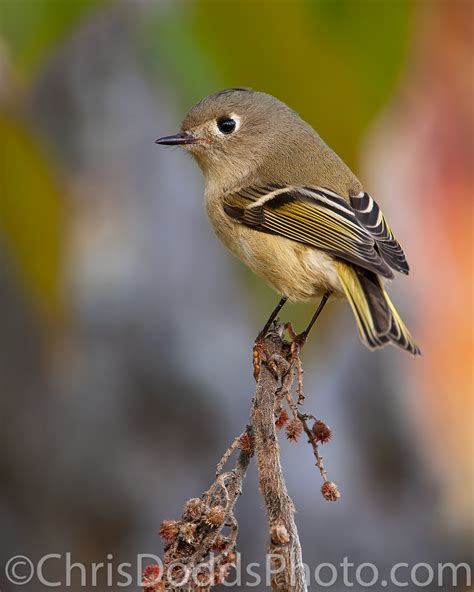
[
  {"x": 301, "y": 338},
  {"x": 258, "y": 345},
  {"x": 271, "y": 318},
  {"x": 297, "y": 342}
]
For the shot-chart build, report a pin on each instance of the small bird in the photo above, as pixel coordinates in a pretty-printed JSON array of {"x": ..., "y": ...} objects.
[{"x": 282, "y": 201}]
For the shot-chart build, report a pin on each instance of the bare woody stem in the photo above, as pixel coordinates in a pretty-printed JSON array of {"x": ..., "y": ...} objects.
[
  {"x": 206, "y": 534},
  {"x": 284, "y": 544}
]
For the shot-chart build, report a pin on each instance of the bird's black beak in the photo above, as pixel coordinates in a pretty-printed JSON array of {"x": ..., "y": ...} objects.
[{"x": 177, "y": 139}]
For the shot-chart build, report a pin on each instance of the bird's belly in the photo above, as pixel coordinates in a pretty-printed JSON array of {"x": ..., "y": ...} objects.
[{"x": 292, "y": 269}]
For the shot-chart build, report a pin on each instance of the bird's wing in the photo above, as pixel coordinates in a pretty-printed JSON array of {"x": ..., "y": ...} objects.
[
  {"x": 371, "y": 217},
  {"x": 316, "y": 217}
]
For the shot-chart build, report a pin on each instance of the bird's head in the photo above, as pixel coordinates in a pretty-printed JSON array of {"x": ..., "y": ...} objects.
[{"x": 230, "y": 133}]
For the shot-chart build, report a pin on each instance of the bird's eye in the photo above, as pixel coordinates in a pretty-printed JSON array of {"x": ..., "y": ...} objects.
[{"x": 226, "y": 125}]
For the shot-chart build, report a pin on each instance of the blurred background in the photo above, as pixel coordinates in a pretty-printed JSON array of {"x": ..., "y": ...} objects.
[{"x": 126, "y": 328}]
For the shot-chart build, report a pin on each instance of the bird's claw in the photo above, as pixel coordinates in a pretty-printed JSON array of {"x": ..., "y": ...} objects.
[
  {"x": 259, "y": 356},
  {"x": 258, "y": 353},
  {"x": 297, "y": 339}
]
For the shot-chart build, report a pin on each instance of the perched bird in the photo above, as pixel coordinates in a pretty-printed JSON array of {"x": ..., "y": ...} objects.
[{"x": 282, "y": 201}]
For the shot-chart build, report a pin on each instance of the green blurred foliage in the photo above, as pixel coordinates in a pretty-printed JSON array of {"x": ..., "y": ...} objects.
[
  {"x": 31, "y": 27},
  {"x": 31, "y": 213}
]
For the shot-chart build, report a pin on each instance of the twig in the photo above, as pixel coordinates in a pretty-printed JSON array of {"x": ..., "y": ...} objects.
[
  {"x": 312, "y": 440},
  {"x": 198, "y": 537},
  {"x": 228, "y": 453},
  {"x": 206, "y": 534},
  {"x": 284, "y": 544}
]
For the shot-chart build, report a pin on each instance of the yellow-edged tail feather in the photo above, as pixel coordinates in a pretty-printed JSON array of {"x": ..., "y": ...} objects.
[{"x": 377, "y": 319}]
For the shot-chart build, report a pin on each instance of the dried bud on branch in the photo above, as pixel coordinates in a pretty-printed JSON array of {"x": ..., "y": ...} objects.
[
  {"x": 293, "y": 430},
  {"x": 151, "y": 580},
  {"x": 220, "y": 543},
  {"x": 169, "y": 530},
  {"x": 187, "y": 532},
  {"x": 281, "y": 419},
  {"x": 215, "y": 516},
  {"x": 330, "y": 491},
  {"x": 321, "y": 432},
  {"x": 194, "y": 508}
]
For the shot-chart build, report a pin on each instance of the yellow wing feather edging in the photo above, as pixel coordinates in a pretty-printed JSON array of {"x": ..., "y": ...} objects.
[{"x": 325, "y": 222}]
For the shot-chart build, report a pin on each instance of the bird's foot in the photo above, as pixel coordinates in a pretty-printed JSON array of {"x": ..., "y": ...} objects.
[
  {"x": 258, "y": 354},
  {"x": 261, "y": 356}
]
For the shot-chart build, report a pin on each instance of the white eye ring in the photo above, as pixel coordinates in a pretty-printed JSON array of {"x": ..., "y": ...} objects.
[{"x": 231, "y": 116}]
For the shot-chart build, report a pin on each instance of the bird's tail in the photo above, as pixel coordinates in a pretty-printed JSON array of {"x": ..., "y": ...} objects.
[{"x": 377, "y": 319}]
